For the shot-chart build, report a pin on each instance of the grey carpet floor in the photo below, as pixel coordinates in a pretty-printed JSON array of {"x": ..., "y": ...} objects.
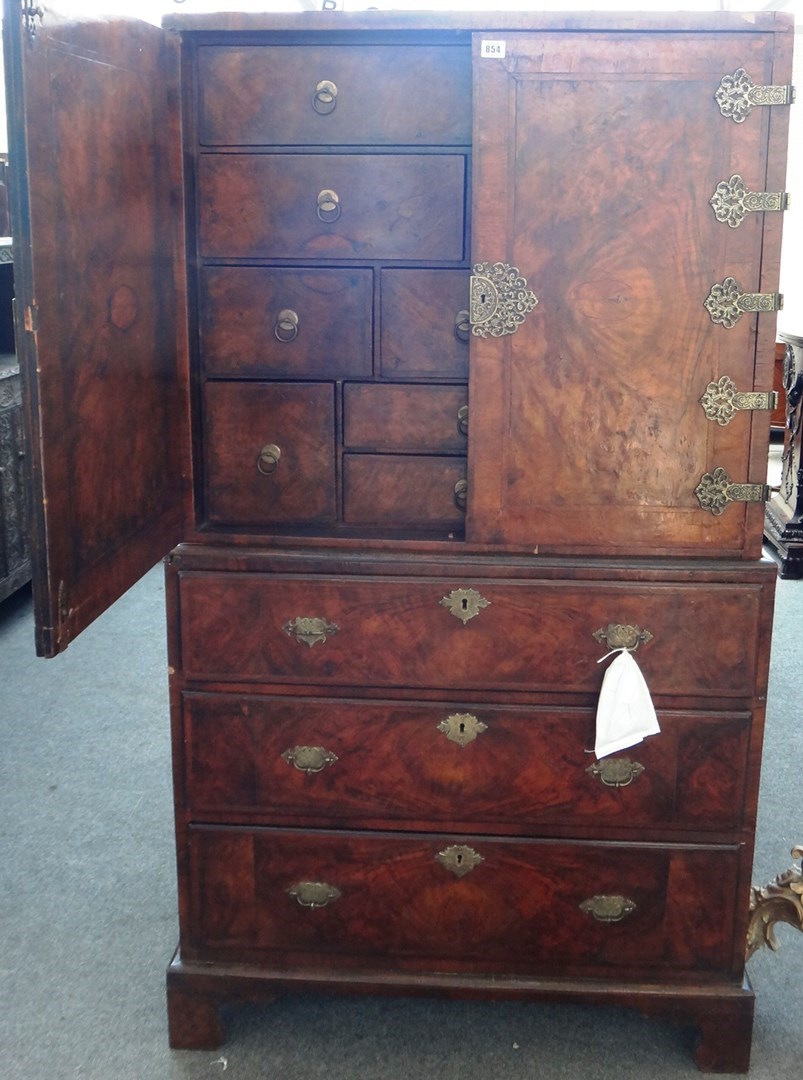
[{"x": 87, "y": 900}]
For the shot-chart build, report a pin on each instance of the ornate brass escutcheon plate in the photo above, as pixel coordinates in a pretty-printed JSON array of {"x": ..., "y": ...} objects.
[
  {"x": 459, "y": 859},
  {"x": 464, "y": 604},
  {"x": 462, "y": 728},
  {"x": 499, "y": 299}
]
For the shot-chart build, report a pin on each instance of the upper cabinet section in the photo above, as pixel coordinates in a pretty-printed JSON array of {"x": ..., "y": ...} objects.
[
  {"x": 412, "y": 95},
  {"x": 620, "y": 416}
]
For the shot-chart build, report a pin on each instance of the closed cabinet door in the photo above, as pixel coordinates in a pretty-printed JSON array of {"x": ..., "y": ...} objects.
[{"x": 620, "y": 415}]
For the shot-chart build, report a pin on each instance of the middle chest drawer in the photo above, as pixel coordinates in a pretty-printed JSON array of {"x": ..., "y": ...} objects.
[{"x": 254, "y": 757}]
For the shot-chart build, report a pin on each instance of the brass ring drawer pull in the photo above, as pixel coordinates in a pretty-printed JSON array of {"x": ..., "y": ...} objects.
[
  {"x": 328, "y": 205},
  {"x": 622, "y": 636},
  {"x": 309, "y": 759},
  {"x": 608, "y": 908},
  {"x": 462, "y": 325},
  {"x": 324, "y": 100},
  {"x": 268, "y": 460},
  {"x": 286, "y": 326},
  {"x": 462, "y": 419},
  {"x": 616, "y": 772},
  {"x": 314, "y": 894},
  {"x": 461, "y": 495}
]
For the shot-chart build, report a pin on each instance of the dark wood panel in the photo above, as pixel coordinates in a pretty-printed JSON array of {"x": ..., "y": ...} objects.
[
  {"x": 244, "y": 485},
  {"x": 385, "y": 418},
  {"x": 247, "y": 325},
  {"x": 95, "y": 182},
  {"x": 587, "y": 430},
  {"x": 407, "y": 491},
  {"x": 539, "y": 636},
  {"x": 394, "y": 94},
  {"x": 392, "y": 760},
  {"x": 420, "y": 310},
  {"x": 521, "y": 905},
  {"x": 390, "y": 206}
]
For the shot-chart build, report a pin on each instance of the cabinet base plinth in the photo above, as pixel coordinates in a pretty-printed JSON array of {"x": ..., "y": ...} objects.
[{"x": 721, "y": 1013}]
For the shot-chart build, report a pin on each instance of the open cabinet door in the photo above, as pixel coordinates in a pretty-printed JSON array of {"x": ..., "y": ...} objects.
[
  {"x": 595, "y": 165},
  {"x": 96, "y": 222}
]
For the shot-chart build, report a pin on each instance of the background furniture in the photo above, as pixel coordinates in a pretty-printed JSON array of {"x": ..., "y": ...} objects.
[
  {"x": 15, "y": 563},
  {"x": 784, "y": 519}
]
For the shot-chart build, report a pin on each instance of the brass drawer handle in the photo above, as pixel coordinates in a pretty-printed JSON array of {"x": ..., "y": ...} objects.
[
  {"x": 310, "y": 631},
  {"x": 268, "y": 460},
  {"x": 462, "y": 325},
  {"x": 616, "y": 772},
  {"x": 461, "y": 495},
  {"x": 462, "y": 419},
  {"x": 461, "y": 728},
  {"x": 622, "y": 636},
  {"x": 309, "y": 759},
  {"x": 314, "y": 894},
  {"x": 459, "y": 859},
  {"x": 324, "y": 100},
  {"x": 286, "y": 326},
  {"x": 328, "y": 205},
  {"x": 608, "y": 908}
]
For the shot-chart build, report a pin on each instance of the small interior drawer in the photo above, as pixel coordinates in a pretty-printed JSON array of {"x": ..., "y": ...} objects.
[
  {"x": 403, "y": 490},
  {"x": 424, "y": 328},
  {"x": 399, "y": 418},
  {"x": 335, "y": 95},
  {"x": 331, "y": 206},
  {"x": 247, "y": 480},
  {"x": 301, "y": 322}
]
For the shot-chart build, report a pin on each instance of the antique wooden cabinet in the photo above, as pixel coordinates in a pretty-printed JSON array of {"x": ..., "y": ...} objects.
[{"x": 444, "y": 346}]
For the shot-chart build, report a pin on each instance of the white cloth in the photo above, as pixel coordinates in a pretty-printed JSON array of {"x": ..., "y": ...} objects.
[{"x": 625, "y": 712}]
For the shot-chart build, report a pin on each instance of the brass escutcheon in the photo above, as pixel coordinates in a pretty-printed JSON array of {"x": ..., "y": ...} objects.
[
  {"x": 314, "y": 894},
  {"x": 499, "y": 299},
  {"x": 464, "y": 604},
  {"x": 309, "y": 759},
  {"x": 616, "y": 772},
  {"x": 462, "y": 728},
  {"x": 608, "y": 908},
  {"x": 459, "y": 859}
]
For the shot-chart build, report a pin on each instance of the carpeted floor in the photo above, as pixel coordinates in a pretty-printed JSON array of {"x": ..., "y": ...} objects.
[{"x": 87, "y": 900}]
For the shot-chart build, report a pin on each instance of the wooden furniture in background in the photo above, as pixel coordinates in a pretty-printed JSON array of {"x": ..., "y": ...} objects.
[
  {"x": 473, "y": 392},
  {"x": 784, "y": 518},
  {"x": 15, "y": 562}
]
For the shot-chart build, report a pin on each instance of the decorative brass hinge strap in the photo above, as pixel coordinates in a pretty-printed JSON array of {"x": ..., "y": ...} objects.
[
  {"x": 726, "y": 303},
  {"x": 732, "y": 201},
  {"x": 716, "y": 490},
  {"x": 737, "y": 94},
  {"x": 499, "y": 299},
  {"x": 721, "y": 400}
]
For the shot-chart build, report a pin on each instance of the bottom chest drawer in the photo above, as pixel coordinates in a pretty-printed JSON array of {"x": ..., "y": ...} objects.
[{"x": 477, "y": 901}]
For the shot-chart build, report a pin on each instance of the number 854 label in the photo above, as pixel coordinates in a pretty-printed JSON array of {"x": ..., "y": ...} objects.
[{"x": 495, "y": 50}]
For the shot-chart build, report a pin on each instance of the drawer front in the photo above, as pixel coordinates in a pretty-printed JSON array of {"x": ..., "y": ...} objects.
[
  {"x": 258, "y": 321},
  {"x": 523, "y": 903},
  {"x": 350, "y": 761},
  {"x": 404, "y": 491},
  {"x": 530, "y": 636},
  {"x": 246, "y": 480},
  {"x": 386, "y": 418},
  {"x": 415, "y": 95},
  {"x": 339, "y": 206},
  {"x": 423, "y": 330}
]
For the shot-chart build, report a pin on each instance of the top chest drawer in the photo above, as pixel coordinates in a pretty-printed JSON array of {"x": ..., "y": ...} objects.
[{"x": 334, "y": 95}]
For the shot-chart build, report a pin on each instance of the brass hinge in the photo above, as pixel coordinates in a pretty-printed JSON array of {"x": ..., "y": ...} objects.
[
  {"x": 726, "y": 303},
  {"x": 30, "y": 13},
  {"x": 737, "y": 94},
  {"x": 716, "y": 490},
  {"x": 721, "y": 400},
  {"x": 732, "y": 200}
]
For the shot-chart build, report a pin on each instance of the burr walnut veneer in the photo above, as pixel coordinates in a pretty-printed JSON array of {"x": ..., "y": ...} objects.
[{"x": 442, "y": 347}]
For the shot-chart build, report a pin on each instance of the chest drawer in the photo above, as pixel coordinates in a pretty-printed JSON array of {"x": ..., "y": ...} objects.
[
  {"x": 416, "y": 632},
  {"x": 424, "y": 323},
  {"x": 400, "y": 491},
  {"x": 344, "y": 761},
  {"x": 261, "y": 321},
  {"x": 334, "y": 95},
  {"x": 386, "y": 418},
  {"x": 331, "y": 206},
  {"x": 473, "y": 900}
]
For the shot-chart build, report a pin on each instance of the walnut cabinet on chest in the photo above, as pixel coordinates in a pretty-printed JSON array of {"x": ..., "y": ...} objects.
[{"x": 442, "y": 347}]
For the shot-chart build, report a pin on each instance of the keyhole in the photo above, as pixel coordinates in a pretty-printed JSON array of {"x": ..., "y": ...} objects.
[
  {"x": 464, "y": 603},
  {"x": 459, "y": 858},
  {"x": 462, "y": 727}
]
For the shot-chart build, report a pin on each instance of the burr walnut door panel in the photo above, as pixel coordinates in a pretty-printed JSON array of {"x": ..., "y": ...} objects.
[{"x": 595, "y": 161}]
